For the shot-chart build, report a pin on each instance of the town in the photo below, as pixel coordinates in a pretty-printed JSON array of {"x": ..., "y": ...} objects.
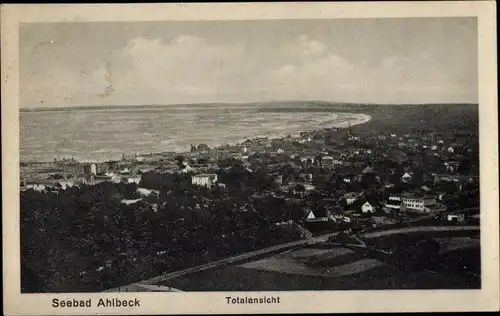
[{"x": 209, "y": 203}]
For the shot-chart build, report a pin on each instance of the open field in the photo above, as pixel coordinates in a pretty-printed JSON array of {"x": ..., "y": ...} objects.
[{"x": 310, "y": 268}]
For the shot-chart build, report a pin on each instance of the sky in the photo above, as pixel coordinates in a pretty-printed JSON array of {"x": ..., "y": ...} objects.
[{"x": 384, "y": 60}]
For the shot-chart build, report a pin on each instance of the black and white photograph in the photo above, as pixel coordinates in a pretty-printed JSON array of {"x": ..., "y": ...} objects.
[{"x": 251, "y": 155}]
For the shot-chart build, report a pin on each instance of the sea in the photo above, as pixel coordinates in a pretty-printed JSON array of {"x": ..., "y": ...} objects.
[{"x": 101, "y": 134}]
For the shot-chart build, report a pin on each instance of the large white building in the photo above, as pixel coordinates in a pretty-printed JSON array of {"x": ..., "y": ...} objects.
[
  {"x": 394, "y": 202},
  {"x": 422, "y": 204},
  {"x": 206, "y": 180},
  {"x": 412, "y": 203}
]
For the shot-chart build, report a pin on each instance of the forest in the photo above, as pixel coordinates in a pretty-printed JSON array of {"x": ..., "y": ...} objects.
[{"x": 84, "y": 239}]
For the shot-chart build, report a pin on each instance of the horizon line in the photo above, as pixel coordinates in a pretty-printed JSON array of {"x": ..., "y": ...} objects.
[{"x": 27, "y": 109}]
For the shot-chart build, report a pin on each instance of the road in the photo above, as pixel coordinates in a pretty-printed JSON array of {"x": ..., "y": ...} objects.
[
  {"x": 419, "y": 229},
  {"x": 242, "y": 257},
  {"x": 230, "y": 260},
  {"x": 276, "y": 249}
]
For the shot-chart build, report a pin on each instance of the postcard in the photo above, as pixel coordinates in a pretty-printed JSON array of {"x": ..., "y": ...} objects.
[{"x": 238, "y": 158}]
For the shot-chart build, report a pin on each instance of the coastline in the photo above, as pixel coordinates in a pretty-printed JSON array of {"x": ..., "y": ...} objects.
[
  {"x": 361, "y": 118},
  {"x": 330, "y": 120}
]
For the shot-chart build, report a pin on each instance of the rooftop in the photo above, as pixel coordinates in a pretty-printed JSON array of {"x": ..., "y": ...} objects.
[{"x": 203, "y": 175}]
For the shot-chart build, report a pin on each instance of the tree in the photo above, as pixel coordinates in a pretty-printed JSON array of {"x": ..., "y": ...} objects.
[
  {"x": 67, "y": 237},
  {"x": 203, "y": 147}
]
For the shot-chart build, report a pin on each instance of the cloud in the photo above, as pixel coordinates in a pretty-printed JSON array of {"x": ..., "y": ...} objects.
[
  {"x": 390, "y": 61},
  {"x": 190, "y": 69},
  {"x": 62, "y": 84},
  {"x": 309, "y": 47},
  {"x": 394, "y": 78},
  {"x": 320, "y": 76},
  {"x": 186, "y": 66}
]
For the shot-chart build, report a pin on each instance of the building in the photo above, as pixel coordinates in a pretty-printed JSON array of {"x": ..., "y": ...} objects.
[
  {"x": 421, "y": 204},
  {"x": 327, "y": 162},
  {"x": 304, "y": 134},
  {"x": 321, "y": 220},
  {"x": 394, "y": 202},
  {"x": 330, "y": 162},
  {"x": 313, "y": 218},
  {"x": 306, "y": 177},
  {"x": 455, "y": 217},
  {"x": 368, "y": 170},
  {"x": 367, "y": 207},
  {"x": 115, "y": 178},
  {"x": 73, "y": 169},
  {"x": 301, "y": 188},
  {"x": 64, "y": 184},
  {"x": 278, "y": 179},
  {"x": 36, "y": 187},
  {"x": 351, "y": 197},
  {"x": 384, "y": 220},
  {"x": 308, "y": 161},
  {"x": 131, "y": 201},
  {"x": 206, "y": 180},
  {"x": 147, "y": 192},
  {"x": 451, "y": 166},
  {"x": 136, "y": 179},
  {"x": 406, "y": 177},
  {"x": 89, "y": 172}
]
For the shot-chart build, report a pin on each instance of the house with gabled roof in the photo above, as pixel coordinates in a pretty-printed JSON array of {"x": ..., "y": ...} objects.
[
  {"x": 367, "y": 207},
  {"x": 406, "y": 177},
  {"x": 319, "y": 220},
  {"x": 320, "y": 216}
]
